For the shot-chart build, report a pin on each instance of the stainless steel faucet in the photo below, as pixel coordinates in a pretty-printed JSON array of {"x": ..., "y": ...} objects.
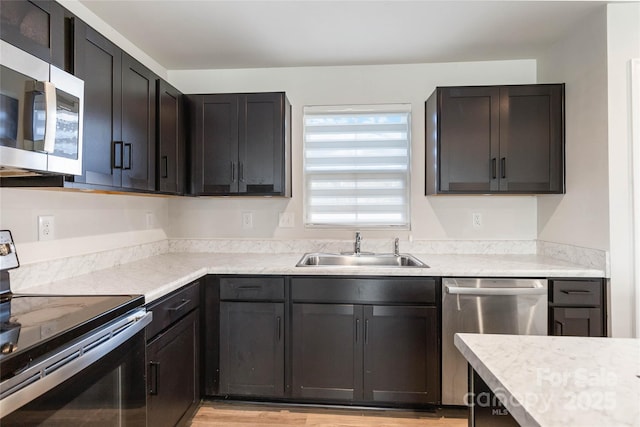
[
  {"x": 396, "y": 247},
  {"x": 356, "y": 249}
]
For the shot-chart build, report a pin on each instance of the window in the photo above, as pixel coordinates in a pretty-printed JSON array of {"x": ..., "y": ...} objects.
[{"x": 356, "y": 166}]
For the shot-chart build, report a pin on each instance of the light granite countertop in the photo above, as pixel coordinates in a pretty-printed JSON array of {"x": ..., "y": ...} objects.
[
  {"x": 158, "y": 275},
  {"x": 560, "y": 381}
]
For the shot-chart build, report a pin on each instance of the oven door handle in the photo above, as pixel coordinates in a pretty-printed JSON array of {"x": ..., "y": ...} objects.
[
  {"x": 52, "y": 370},
  {"x": 457, "y": 290}
]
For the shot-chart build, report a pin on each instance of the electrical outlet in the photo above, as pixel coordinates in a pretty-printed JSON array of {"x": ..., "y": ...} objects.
[
  {"x": 247, "y": 220},
  {"x": 286, "y": 220},
  {"x": 149, "y": 220},
  {"x": 476, "y": 220},
  {"x": 46, "y": 227}
]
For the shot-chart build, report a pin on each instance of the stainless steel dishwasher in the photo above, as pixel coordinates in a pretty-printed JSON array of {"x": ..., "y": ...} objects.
[{"x": 486, "y": 306}]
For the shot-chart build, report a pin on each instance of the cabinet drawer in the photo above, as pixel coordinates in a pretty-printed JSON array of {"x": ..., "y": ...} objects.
[
  {"x": 364, "y": 290},
  {"x": 252, "y": 288},
  {"x": 172, "y": 308},
  {"x": 577, "y": 292}
]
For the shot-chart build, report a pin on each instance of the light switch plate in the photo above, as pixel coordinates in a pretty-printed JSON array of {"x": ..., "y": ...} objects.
[{"x": 286, "y": 220}]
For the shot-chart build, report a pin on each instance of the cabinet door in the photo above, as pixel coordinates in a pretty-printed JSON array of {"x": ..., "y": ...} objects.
[
  {"x": 401, "y": 357},
  {"x": 252, "y": 349},
  {"x": 577, "y": 321},
  {"x": 138, "y": 125},
  {"x": 531, "y": 139},
  {"x": 99, "y": 63},
  {"x": 215, "y": 154},
  {"x": 261, "y": 143},
  {"x": 469, "y": 139},
  {"x": 170, "y": 147},
  {"x": 173, "y": 372},
  {"x": 327, "y": 351},
  {"x": 35, "y": 26}
]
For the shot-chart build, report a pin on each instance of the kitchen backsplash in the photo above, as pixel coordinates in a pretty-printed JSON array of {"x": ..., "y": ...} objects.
[
  {"x": 517, "y": 247},
  {"x": 64, "y": 268},
  {"x": 59, "y": 269},
  {"x": 575, "y": 254}
]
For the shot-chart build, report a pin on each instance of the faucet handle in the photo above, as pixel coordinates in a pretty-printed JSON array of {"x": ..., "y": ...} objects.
[{"x": 396, "y": 246}]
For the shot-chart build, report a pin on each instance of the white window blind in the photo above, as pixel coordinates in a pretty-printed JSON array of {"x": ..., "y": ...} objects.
[{"x": 356, "y": 166}]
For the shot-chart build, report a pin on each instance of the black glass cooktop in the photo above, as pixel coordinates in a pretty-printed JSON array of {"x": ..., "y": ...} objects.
[{"x": 33, "y": 325}]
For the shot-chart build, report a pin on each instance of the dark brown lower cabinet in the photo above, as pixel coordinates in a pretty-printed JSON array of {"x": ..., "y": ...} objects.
[
  {"x": 577, "y": 307},
  {"x": 401, "y": 360},
  {"x": 335, "y": 340},
  {"x": 172, "y": 372},
  {"x": 577, "y": 321},
  {"x": 366, "y": 353},
  {"x": 327, "y": 351},
  {"x": 173, "y": 357},
  {"x": 252, "y": 348}
]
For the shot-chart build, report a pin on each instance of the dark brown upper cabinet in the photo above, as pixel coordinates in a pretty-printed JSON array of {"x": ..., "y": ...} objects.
[
  {"x": 495, "y": 140},
  {"x": 120, "y": 115},
  {"x": 37, "y": 27},
  {"x": 171, "y": 140},
  {"x": 241, "y": 144}
]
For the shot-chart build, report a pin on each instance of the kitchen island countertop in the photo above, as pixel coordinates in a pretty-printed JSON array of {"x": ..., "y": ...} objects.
[
  {"x": 158, "y": 275},
  {"x": 560, "y": 381}
]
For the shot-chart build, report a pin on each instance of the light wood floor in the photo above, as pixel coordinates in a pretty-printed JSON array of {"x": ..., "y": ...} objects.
[{"x": 225, "y": 414}]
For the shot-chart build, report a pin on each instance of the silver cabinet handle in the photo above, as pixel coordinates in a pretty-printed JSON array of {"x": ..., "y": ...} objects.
[{"x": 455, "y": 290}]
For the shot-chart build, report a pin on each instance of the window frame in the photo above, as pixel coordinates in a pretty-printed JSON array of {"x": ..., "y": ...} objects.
[{"x": 358, "y": 108}]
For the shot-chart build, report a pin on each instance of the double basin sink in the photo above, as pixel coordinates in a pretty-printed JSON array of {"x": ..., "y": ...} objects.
[{"x": 363, "y": 259}]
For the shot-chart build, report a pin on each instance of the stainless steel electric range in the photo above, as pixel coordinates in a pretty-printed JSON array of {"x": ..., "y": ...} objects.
[{"x": 69, "y": 359}]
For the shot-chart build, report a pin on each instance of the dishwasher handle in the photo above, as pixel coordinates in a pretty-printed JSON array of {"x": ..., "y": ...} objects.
[{"x": 457, "y": 290}]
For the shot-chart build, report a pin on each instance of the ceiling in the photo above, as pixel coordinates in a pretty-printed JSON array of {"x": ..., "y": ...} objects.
[{"x": 206, "y": 34}]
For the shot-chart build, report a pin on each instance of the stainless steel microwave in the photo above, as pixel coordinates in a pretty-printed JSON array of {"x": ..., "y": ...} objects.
[{"x": 41, "y": 109}]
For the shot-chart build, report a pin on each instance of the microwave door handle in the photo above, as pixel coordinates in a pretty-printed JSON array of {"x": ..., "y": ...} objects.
[
  {"x": 48, "y": 90},
  {"x": 50, "y": 118}
]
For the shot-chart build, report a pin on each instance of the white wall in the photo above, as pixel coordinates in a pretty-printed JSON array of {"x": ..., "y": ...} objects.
[
  {"x": 593, "y": 59},
  {"x": 623, "y": 44},
  {"x": 581, "y": 216},
  {"x": 84, "y": 222},
  {"x": 443, "y": 217}
]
